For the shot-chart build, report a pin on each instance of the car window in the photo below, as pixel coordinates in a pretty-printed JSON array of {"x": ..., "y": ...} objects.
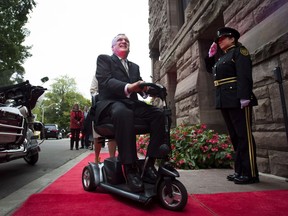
[{"x": 51, "y": 127}]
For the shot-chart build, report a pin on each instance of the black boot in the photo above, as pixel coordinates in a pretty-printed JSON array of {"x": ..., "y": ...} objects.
[
  {"x": 246, "y": 180},
  {"x": 133, "y": 178},
  {"x": 150, "y": 173},
  {"x": 231, "y": 177}
]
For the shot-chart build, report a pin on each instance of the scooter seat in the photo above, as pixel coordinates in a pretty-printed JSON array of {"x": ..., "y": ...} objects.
[{"x": 105, "y": 128}]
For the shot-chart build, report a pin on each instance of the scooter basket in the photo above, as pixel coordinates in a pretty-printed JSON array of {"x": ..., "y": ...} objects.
[{"x": 113, "y": 170}]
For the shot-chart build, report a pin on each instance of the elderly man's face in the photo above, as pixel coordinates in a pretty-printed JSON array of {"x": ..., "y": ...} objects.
[{"x": 121, "y": 46}]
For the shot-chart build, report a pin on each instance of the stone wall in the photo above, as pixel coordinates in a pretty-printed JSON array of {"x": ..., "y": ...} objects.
[{"x": 178, "y": 49}]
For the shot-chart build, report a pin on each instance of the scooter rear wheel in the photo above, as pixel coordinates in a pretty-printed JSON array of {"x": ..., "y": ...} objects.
[
  {"x": 88, "y": 180},
  {"x": 177, "y": 199}
]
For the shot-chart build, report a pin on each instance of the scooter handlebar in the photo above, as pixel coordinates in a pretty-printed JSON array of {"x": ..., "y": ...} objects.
[{"x": 154, "y": 90}]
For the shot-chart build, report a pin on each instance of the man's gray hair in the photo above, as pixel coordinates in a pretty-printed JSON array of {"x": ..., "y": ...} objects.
[{"x": 114, "y": 41}]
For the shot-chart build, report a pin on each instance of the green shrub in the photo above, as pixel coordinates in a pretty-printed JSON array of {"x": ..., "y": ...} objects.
[{"x": 195, "y": 147}]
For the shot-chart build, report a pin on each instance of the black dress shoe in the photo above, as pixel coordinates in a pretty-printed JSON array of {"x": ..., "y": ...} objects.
[
  {"x": 246, "y": 180},
  {"x": 231, "y": 177},
  {"x": 150, "y": 175},
  {"x": 133, "y": 179}
]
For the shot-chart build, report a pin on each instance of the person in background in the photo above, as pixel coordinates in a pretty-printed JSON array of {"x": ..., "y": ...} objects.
[
  {"x": 98, "y": 141},
  {"x": 234, "y": 97},
  {"x": 84, "y": 130},
  {"x": 119, "y": 82},
  {"x": 76, "y": 121}
]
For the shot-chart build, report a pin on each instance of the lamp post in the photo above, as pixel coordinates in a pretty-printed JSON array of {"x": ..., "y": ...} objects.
[{"x": 43, "y": 110}]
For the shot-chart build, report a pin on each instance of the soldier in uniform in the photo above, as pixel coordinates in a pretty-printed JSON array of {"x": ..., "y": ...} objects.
[{"x": 234, "y": 97}]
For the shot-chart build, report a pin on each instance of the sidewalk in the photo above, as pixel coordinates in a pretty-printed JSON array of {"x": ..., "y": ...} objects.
[
  {"x": 205, "y": 181},
  {"x": 208, "y": 181}
]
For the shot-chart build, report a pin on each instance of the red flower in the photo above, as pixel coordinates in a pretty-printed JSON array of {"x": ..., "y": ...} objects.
[{"x": 228, "y": 156}]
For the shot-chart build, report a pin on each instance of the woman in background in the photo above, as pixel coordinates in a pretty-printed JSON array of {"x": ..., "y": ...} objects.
[{"x": 76, "y": 121}]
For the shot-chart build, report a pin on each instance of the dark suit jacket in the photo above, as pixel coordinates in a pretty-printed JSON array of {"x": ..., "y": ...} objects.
[{"x": 112, "y": 78}]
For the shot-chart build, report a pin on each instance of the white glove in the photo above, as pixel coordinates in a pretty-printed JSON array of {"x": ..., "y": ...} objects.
[
  {"x": 213, "y": 49},
  {"x": 244, "y": 103}
]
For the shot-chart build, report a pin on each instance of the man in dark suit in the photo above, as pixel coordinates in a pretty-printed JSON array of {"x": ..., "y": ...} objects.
[{"x": 118, "y": 82}]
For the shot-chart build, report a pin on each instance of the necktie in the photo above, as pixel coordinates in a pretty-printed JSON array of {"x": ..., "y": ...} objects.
[{"x": 124, "y": 63}]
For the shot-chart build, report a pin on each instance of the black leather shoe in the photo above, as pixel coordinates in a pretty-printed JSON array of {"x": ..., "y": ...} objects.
[
  {"x": 246, "y": 180},
  {"x": 231, "y": 177},
  {"x": 150, "y": 175},
  {"x": 133, "y": 179}
]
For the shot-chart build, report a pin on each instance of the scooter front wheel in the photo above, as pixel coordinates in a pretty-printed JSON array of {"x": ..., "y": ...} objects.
[
  {"x": 32, "y": 159},
  {"x": 88, "y": 180},
  {"x": 174, "y": 198}
]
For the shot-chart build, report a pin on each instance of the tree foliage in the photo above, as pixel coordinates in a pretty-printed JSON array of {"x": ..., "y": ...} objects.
[
  {"x": 58, "y": 102},
  {"x": 13, "y": 17}
]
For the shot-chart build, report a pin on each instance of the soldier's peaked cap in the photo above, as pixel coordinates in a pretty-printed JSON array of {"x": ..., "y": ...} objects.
[{"x": 227, "y": 31}]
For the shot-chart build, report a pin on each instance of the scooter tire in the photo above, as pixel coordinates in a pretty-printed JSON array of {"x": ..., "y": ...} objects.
[
  {"x": 32, "y": 159},
  {"x": 88, "y": 180},
  {"x": 177, "y": 200}
]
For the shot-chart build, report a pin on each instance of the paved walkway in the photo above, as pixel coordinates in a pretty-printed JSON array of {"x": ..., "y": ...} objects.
[
  {"x": 208, "y": 181},
  {"x": 205, "y": 181}
]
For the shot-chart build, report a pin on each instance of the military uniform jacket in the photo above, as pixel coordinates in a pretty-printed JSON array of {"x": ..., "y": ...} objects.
[{"x": 233, "y": 77}]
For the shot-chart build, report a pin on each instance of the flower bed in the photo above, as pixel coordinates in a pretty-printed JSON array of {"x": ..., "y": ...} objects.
[{"x": 195, "y": 147}]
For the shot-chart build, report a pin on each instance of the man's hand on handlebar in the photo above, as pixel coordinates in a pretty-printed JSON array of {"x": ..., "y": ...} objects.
[{"x": 135, "y": 87}]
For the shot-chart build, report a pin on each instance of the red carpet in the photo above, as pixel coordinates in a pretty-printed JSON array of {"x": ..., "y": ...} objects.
[{"x": 66, "y": 196}]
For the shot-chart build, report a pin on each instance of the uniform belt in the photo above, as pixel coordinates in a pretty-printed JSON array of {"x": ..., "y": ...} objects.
[{"x": 225, "y": 81}]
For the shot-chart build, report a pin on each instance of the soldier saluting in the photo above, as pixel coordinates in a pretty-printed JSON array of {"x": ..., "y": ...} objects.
[{"x": 234, "y": 97}]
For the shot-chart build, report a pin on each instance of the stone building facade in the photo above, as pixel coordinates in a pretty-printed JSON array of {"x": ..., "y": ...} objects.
[{"x": 181, "y": 32}]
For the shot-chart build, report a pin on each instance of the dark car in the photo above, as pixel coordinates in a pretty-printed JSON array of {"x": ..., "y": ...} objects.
[{"x": 52, "y": 131}]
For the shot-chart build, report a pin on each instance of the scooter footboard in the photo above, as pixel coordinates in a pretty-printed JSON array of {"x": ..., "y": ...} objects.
[{"x": 139, "y": 197}]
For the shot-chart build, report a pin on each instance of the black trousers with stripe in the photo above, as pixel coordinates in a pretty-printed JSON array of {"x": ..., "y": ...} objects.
[{"x": 238, "y": 122}]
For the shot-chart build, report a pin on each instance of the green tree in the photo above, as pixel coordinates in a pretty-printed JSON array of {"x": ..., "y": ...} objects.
[
  {"x": 58, "y": 102},
  {"x": 13, "y": 17}
]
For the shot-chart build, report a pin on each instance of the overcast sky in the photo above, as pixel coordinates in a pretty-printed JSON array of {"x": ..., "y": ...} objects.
[{"x": 67, "y": 36}]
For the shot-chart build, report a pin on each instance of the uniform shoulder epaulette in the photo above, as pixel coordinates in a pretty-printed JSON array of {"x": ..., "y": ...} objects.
[{"x": 244, "y": 51}]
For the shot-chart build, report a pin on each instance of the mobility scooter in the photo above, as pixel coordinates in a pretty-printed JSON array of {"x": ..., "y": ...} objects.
[{"x": 170, "y": 192}]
